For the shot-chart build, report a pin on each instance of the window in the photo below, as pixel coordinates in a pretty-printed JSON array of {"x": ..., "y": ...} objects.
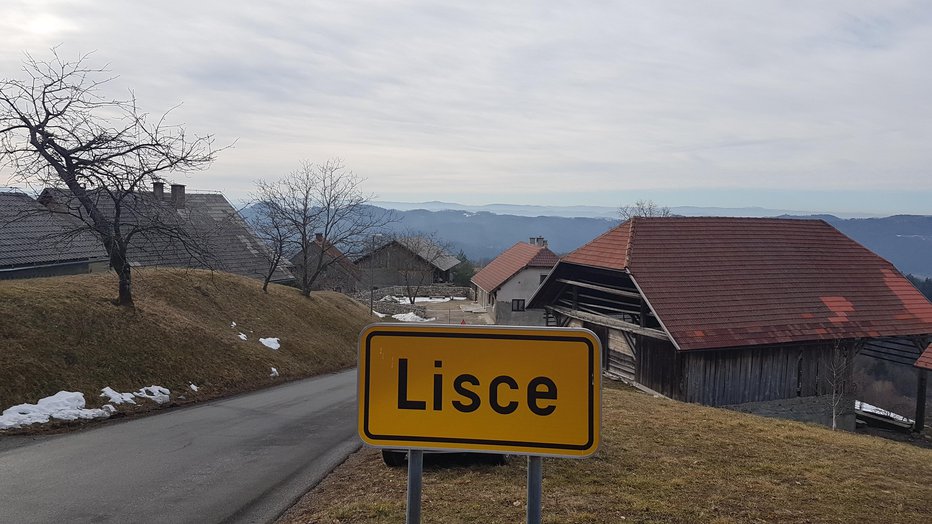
[
  {"x": 517, "y": 304},
  {"x": 543, "y": 277}
]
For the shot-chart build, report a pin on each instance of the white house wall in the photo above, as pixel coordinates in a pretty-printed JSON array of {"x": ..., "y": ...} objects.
[{"x": 520, "y": 286}]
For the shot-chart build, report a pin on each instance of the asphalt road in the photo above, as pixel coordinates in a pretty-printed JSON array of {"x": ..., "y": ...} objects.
[{"x": 242, "y": 459}]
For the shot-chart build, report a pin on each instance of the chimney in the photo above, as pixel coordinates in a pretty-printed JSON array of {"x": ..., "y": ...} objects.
[
  {"x": 158, "y": 190},
  {"x": 532, "y": 241},
  {"x": 178, "y": 196},
  {"x": 319, "y": 237},
  {"x": 541, "y": 241}
]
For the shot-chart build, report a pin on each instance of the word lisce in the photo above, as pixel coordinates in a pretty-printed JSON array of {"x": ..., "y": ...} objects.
[{"x": 541, "y": 393}]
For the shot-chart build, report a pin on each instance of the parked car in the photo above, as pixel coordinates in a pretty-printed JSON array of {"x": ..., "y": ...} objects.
[{"x": 396, "y": 458}]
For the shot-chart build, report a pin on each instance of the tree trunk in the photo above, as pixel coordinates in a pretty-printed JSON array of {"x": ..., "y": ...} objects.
[{"x": 123, "y": 270}]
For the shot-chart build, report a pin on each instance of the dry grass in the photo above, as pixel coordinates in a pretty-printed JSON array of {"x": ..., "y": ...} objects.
[
  {"x": 660, "y": 461},
  {"x": 63, "y": 333}
]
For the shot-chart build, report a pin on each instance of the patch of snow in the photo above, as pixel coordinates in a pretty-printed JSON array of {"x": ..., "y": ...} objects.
[
  {"x": 242, "y": 336},
  {"x": 459, "y": 298},
  {"x": 192, "y": 387},
  {"x": 868, "y": 408},
  {"x": 64, "y": 405},
  {"x": 109, "y": 408},
  {"x": 232, "y": 324},
  {"x": 116, "y": 397},
  {"x": 417, "y": 300},
  {"x": 410, "y": 317},
  {"x": 154, "y": 393},
  {"x": 271, "y": 342},
  {"x": 376, "y": 313},
  {"x": 274, "y": 373}
]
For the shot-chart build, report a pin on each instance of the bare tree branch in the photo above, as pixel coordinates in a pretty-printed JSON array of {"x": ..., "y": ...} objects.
[
  {"x": 325, "y": 199},
  {"x": 643, "y": 208},
  {"x": 58, "y": 130}
]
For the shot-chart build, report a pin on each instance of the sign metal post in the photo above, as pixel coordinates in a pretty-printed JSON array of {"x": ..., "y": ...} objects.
[
  {"x": 415, "y": 480},
  {"x": 535, "y": 478}
]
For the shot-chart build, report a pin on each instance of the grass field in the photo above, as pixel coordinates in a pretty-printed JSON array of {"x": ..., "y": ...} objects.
[
  {"x": 660, "y": 461},
  {"x": 63, "y": 333}
]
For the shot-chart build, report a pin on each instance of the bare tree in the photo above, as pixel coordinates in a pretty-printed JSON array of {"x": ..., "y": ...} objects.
[
  {"x": 57, "y": 129},
  {"x": 327, "y": 200},
  {"x": 426, "y": 255},
  {"x": 271, "y": 227},
  {"x": 643, "y": 208},
  {"x": 838, "y": 365}
]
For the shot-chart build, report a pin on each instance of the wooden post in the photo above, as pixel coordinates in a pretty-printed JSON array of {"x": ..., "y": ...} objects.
[{"x": 921, "y": 391}]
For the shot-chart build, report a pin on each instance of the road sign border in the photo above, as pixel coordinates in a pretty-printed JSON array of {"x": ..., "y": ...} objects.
[{"x": 594, "y": 378}]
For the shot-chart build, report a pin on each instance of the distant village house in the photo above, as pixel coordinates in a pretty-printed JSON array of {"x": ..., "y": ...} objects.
[
  {"x": 506, "y": 284},
  {"x": 403, "y": 261},
  {"x": 339, "y": 273}
]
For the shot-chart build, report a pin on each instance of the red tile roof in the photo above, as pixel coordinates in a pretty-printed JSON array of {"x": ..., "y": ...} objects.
[
  {"x": 510, "y": 262},
  {"x": 925, "y": 360},
  {"x": 726, "y": 282}
]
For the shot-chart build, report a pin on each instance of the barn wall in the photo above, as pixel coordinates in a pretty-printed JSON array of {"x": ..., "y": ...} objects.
[
  {"x": 735, "y": 376},
  {"x": 659, "y": 367},
  {"x": 620, "y": 355}
]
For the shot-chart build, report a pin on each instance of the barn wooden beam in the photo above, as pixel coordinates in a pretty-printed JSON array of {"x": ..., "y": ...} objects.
[
  {"x": 610, "y": 322},
  {"x": 604, "y": 289},
  {"x": 921, "y": 392}
]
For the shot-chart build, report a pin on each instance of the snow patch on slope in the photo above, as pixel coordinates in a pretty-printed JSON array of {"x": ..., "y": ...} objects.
[{"x": 64, "y": 405}]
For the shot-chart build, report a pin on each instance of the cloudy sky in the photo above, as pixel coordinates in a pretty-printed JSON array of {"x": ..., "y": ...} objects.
[{"x": 791, "y": 104}]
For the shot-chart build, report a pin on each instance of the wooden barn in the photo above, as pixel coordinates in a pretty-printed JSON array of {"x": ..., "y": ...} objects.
[{"x": 762, "y": 314}]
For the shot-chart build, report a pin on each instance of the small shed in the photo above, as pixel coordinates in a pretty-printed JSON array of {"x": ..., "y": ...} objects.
[
  {"x": 765, "y": 314},
  {"x": 507, "y": 283},
  {"x": 407, "y": 261}
]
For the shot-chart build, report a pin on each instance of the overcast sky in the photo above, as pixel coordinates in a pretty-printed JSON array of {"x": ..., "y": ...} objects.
[{"x": 795, "y": 105}]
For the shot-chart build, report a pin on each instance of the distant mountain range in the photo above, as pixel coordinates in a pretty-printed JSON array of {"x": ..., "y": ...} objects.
[
  {"x": 597, "y": 211},
  {"x": 904, "y": 240}
]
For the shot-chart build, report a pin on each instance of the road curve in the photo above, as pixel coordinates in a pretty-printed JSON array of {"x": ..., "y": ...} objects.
[{"x": 241, "y": 459}]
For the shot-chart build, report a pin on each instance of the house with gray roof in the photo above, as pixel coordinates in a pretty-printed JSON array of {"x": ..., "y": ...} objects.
[
  {"x": 35, "y": 242},
  {"x": 205, "y": 220}
]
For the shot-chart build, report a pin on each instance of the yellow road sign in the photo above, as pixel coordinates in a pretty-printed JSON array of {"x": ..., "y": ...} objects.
[{"x": 502, "y": 389}]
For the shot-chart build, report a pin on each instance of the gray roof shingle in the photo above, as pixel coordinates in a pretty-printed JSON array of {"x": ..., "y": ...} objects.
[
  {"x": 30, "y": 235},
  {"x": 226, "y": 242}
]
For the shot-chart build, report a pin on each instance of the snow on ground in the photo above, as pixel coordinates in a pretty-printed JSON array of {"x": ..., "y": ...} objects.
[
  {"x": 155, "y": 393},
  {"x": 274, "y": 373},
  {"x": 232, "y": 324},
  {"x": 864, "y": 406},
  {"x": 376, "y": 313},
  {"x": 242, "y": 336},
  {"x": 64, "y": 405},
  {"x": 271, "y": 342},
  {"x": 116, "y": 397},
  {"x": 192, "y": 387},
  {"x": 459, "y": 298},
  {"x": 417, "y": 300},
  {"x": 410, "y": 317}
]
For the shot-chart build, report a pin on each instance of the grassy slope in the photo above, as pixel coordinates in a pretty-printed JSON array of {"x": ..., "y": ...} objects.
[
  {"x": 64, "y": 334},
  {"x": 660, "y": 461}
]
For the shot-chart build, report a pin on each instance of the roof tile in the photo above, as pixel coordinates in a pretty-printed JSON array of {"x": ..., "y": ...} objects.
[{"x": 510, "y": 262}]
